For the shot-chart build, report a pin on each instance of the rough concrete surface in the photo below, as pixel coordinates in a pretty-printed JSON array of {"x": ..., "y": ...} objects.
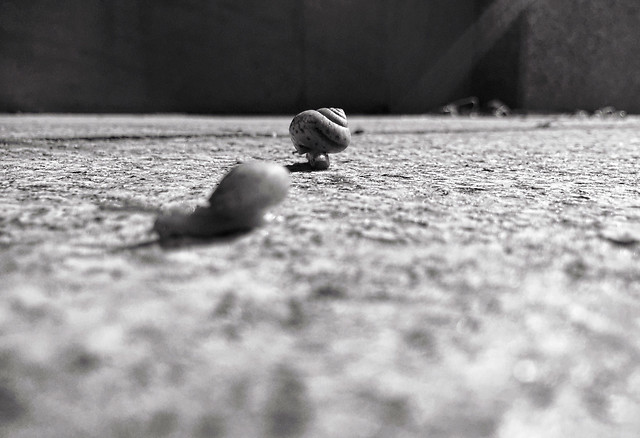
[{"x": 444, "y": 278}]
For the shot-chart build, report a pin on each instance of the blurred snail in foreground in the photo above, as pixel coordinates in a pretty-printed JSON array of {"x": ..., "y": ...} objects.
[
  {"x": 237, "y": 204},
  {"x": 318, "y": 133}
]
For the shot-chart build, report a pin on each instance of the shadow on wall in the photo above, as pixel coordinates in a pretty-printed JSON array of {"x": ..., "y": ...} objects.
[{"x": 281, "y": 56}]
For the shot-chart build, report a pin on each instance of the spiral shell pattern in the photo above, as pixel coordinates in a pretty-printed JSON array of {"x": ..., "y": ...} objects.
[
  {"x": 237, "y": 204},
  {"x": 321, "y": 131}
]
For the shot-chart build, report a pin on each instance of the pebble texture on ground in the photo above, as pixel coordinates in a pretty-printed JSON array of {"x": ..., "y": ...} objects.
[{"x": 445, "y": 278}]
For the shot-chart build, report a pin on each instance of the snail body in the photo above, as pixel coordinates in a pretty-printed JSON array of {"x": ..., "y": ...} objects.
[
  {"x": 237, "y": 204},
  {"x": 317, "y": 133}
]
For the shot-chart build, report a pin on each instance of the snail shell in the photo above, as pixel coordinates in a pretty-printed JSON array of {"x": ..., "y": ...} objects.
[
  {"x": 237, "y": 204},
  {"x": 318, "y": 133}
]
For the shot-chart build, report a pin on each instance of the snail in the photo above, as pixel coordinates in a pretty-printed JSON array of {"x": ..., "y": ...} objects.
[
  {"x": 237, "y": 204},
  {"x": 317, "y": 133}
]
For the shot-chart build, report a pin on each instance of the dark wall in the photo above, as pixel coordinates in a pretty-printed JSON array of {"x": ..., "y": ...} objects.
[
  {"x": 226, "y": 56},
  {"x": 281, "y": 56},
  {"x": 68, "y": 56},
  {"x": 581, "y": 54},
  {"x": 222, "y": 56},
  {"x": 497, "y": 70}
]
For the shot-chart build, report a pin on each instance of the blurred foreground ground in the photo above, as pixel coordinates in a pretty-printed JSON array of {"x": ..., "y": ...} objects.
[{"x": 444, "y": 278}]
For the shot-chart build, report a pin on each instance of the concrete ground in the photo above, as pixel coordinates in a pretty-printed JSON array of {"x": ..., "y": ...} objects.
[{"x": 446, "y": 277}]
